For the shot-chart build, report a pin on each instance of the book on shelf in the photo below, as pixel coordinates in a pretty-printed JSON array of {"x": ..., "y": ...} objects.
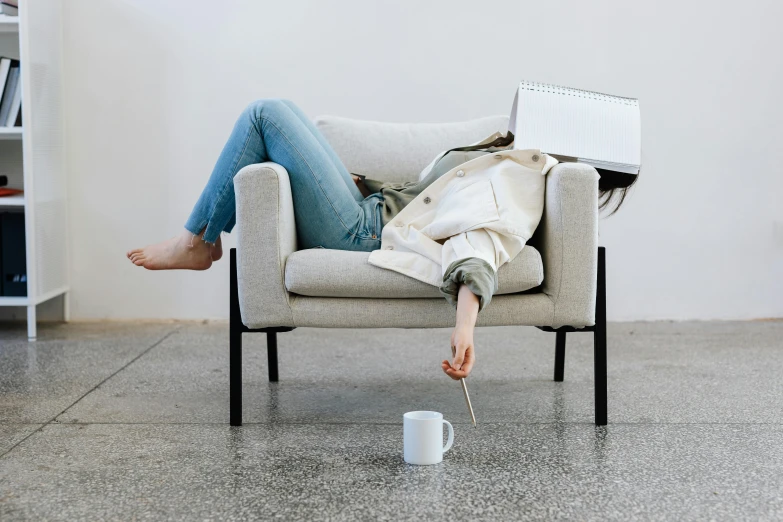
[
  {"x": 598, "y": 129},
  {"x": 5, "y": 68},
  {"x": 15, "y": 112},
  {"x": 4, "y": 191},
  {"x": 11, "y": 90},
  {"x": 10, "y": 7},
  {"x": 13, "y": 255}
]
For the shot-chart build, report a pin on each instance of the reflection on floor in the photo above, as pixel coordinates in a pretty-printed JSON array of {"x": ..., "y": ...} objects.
[{"x": 130, "y": 420}]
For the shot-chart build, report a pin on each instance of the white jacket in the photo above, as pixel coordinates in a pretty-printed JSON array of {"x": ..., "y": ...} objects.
[{"x": 487, "y": 207}]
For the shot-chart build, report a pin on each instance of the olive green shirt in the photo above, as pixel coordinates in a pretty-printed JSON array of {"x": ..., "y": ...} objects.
[
  {"x": 397, "y": 195},
  {"x": 474, "y": 272}
]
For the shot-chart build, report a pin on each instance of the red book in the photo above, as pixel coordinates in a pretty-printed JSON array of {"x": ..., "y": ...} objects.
[{"x": 9, "y": 192}]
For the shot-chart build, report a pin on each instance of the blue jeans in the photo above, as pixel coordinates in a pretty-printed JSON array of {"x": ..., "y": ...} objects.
[{"x": 329, "y": 209}]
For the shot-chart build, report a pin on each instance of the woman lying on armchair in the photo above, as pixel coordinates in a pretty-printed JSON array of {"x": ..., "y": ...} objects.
[{"x": 333, "y": 209}]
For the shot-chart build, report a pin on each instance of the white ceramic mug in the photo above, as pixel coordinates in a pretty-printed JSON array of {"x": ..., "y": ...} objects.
[{"x": 423, "y": 437}]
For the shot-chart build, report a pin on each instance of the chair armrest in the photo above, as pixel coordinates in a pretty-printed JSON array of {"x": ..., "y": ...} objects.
[
  {"x": 569, "y": 243},
  {"x": 266, "y": 232}
]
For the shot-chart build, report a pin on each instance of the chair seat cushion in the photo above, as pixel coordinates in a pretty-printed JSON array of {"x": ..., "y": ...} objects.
[{"x": 322, "y": 272}]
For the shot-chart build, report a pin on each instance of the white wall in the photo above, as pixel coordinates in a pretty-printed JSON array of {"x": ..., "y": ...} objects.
[{"x": 153, "y": 89}]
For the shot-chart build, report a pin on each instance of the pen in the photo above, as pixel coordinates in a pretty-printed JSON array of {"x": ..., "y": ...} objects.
[
  {"x": 467, "y": 399},
  {"x": 465, "y": 392}
]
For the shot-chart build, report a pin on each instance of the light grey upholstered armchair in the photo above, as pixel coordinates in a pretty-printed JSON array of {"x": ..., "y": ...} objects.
[{"x": 557, "y": 282}]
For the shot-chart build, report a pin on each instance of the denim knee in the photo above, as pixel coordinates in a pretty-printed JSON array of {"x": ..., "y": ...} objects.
[{"x": 267, "y": 108}]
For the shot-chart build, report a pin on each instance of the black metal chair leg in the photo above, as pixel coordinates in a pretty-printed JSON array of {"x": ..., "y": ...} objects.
[
  {"x": 235, "y": 346},
  {"x": 560, "y": 345},
  {"x": 271, "y": 354},
  {"x": 599, "y": 342}
]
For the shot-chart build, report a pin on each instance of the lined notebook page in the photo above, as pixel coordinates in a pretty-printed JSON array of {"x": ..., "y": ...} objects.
[{"x": 598, "y": 129}]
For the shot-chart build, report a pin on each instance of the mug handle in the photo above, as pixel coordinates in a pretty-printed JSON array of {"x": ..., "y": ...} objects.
[{"x": 449, "y": 442}]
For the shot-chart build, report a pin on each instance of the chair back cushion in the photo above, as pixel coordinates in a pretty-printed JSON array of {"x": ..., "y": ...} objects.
[{"x": 397, "y": 152}]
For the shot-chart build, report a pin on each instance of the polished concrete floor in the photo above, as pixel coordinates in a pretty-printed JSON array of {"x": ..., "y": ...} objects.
[{"x": 129, "y": 421}]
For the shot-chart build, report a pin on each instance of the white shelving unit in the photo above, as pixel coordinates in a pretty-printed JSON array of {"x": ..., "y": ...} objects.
[
  {"x": 9, "y": 24},
  {"x": 10, "y": 133},
  {"x": 33, "y": 157},
  {"x": 11, "y": 202}
]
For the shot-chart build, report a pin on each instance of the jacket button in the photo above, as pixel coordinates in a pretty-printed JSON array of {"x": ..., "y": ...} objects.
[
  {"x": 460, "y": 173},
  {"x": 498, "y": 156},
  {"x": 389, "y": 247},
  {"x": 427, "y": 200},
  {"x": 535, "y": 157}
]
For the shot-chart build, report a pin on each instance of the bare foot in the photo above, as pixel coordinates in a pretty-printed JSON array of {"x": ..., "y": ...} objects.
[
  {"x": 174, "y": 253},
  {"x": 217, "y": 249}
]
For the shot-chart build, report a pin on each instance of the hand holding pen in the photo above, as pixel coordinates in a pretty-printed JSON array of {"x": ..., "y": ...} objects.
[
  {"x": 462, "y": 335},
  {"x": 463, "y": 353},
  {"x": 462, "y": 348},
  {"x": 467, "y": 356}
]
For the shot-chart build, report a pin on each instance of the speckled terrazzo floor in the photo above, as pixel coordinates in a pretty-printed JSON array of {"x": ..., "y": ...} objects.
[{"x": 129, "y": 421}]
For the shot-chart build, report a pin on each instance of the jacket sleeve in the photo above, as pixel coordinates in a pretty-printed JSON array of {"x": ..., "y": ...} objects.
[{"x": 474, "y": 272}]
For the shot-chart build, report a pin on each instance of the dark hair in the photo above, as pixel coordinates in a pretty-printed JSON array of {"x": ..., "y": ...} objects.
[{"x": 613, "y": 183}]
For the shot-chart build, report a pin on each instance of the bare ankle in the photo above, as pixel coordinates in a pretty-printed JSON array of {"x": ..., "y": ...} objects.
[{"x": 197, "y": 240}]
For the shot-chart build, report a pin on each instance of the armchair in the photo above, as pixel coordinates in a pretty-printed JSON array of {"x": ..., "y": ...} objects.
[{"x": 556, "y": 284}]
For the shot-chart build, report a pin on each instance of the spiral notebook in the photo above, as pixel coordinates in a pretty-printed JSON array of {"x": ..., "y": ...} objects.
[{"x": 588, "y": 127}]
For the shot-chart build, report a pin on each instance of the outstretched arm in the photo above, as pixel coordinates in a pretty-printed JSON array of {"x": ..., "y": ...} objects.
[{"x": 462, "y": 337}]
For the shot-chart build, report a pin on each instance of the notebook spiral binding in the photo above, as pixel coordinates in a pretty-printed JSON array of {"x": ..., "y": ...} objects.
[{"x": 569, "y": 91}]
